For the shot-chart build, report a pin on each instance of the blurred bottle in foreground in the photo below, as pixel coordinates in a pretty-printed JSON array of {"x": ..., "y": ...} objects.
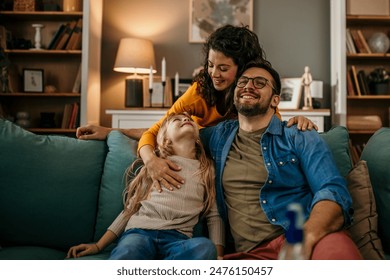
[{"x": 293, "y": 247}]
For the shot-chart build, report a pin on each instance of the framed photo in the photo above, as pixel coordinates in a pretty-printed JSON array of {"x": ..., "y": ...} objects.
[
  {"x": 290, "y": 95},
  {"x": 33, "y": 80},
  {"x": 208, "y": 15},
  {"x": 184, "y": 84},
  {"x": 157, "y": 99}
]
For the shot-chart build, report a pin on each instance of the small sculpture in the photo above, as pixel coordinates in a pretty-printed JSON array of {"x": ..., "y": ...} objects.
[{"x": 306, "y": 82}]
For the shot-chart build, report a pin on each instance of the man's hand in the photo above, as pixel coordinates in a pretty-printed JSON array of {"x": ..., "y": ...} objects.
[
  {"x": 92, "y": 132},
  {"x": 164, "y": 173},
  {"x": 302, "y": 122}
]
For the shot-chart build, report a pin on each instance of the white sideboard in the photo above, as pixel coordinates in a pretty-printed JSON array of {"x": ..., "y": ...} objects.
[{"x": 144, "y": 118}]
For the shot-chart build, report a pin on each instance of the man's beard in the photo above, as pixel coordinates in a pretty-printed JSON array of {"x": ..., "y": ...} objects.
[{"x": 251, "y": 110}]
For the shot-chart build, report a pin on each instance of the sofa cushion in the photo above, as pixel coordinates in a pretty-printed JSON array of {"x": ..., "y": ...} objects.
[
  {"x": 49, "y": 188},
  {"x": 377, "y": 154},
  {"x": 337, "y": 139},
  {"x": 365, "y": 224},
  {"x": 122, "y": 152}
]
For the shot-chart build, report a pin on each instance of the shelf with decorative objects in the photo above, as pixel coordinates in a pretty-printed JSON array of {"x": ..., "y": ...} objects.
[{"x": 60, "y": 65}]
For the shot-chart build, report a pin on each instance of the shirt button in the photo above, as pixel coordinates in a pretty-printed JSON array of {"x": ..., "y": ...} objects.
[
  {"x": 264, "y": 148},
  {"x": 293, "y": 160},
  {"x": 264, "y": 201},
  {"x": 273, "y": 220},
  {"x": 270, "y": 182},
  {"x": 268, "y": 164},
  {"x": 280, "y": 162}
]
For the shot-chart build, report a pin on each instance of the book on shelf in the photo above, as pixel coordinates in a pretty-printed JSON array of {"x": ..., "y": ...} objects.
[
  {"x": 351, "y": 49},
  {"x": 355, "y": 80},
  {"x": 350, "y": 87},
  {"x": 364, "y": 41},
  {"x": 66, "y": 35},
  {"x": 77, "y": 82},
  {"x": 57, "y": 35},
  {"x": 74, "y": 42},
  {"x": 70, "y": 116},
  {"x": 66, "y": 115},
  {"x": 358, "y": 40},
  {"x": 74, "y": 116},
  {"x": 363, "y": 83}
]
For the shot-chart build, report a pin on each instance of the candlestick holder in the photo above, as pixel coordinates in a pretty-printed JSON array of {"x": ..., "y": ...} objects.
[
  {"x": 37, "y": 36},
  {"x": 163, "y": 92},
  {"x": 150, "y": 96}
]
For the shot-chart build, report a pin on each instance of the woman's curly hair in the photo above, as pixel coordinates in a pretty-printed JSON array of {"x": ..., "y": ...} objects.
[{"x": 236, "y": 42}]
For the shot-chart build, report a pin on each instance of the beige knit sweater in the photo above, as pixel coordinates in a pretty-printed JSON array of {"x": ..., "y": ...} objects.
[{"x": 178, "y": 209}]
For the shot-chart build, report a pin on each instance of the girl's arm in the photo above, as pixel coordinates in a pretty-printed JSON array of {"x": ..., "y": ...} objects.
[{"x": 94, "y": 248}]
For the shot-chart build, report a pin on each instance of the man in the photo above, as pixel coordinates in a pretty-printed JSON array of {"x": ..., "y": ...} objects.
[{"x": 262, "y": 166}]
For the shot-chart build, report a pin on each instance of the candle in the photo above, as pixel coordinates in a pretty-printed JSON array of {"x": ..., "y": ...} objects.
[
  {"x": 163, "y": 70},
  {"x": 151, "y": 77},
  {"x": 177, "y": 84}
]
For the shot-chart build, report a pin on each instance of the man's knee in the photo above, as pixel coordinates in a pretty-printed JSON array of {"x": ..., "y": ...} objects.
[{"x": 336, "y": 246}]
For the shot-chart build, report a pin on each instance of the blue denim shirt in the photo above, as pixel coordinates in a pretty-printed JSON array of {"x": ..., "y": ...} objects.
[{"x": 300, "y": 168}]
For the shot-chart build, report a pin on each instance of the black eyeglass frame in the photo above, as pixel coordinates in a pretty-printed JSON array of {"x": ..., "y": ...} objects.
[{"x": 253, "y": 82}]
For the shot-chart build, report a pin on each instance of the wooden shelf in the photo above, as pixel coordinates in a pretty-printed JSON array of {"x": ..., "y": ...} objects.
[
  {"x": 48, "y": 15},
  {"x": 372, "y": 19},
  {"x": 369, "y": 97},
  {"x": 369, "y": 56},
  {"x": 23, "y": 94},
  {"x": 44, "y": 52}
]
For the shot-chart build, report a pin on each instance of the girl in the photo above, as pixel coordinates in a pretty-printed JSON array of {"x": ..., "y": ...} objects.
[{"x": 160, "y": 225}]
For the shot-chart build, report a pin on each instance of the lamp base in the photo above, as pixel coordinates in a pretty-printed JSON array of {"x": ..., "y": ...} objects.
[{"x": 134, "y": 93}]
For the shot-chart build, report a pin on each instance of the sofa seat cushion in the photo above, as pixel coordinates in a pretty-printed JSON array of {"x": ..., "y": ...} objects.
[
  {"x": 49, "y": 188},
  {"x": 31, "y": 253},
  {"x": 377, "y": 154}
]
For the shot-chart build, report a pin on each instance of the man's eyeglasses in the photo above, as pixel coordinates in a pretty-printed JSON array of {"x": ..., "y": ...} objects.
[{"x": 258, "y": 82}]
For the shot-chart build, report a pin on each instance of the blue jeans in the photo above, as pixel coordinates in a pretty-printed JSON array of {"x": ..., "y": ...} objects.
[{"x": 140, "y": 244}]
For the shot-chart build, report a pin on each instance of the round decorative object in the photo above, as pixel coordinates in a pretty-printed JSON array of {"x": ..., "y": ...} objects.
[{"x": 379, "y": 42}]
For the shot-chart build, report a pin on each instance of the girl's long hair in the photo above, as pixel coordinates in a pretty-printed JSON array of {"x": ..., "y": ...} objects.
[{"x": 139, "y": 183}]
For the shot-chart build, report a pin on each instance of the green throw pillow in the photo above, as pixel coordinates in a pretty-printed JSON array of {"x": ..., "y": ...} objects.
[{"x": 337, "y": 139}]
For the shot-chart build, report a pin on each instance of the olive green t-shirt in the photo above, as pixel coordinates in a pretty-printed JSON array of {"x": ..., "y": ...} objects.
[{"x": 243, "y": 177}]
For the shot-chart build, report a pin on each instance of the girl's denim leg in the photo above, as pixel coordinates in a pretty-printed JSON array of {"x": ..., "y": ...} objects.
[
  {"x": 134, "y": 244},
  {"x": 197, "y": 248}
]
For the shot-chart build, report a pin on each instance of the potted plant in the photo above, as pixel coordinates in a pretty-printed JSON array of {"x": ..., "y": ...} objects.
[{"x": 379, "y": 81}]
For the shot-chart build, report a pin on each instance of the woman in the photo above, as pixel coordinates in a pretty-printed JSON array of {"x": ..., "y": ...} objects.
[{"x": 226, "y": 52}]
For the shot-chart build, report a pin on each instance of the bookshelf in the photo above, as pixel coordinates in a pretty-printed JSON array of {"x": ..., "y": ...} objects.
[
  {"x": 60, "y": 68},
  {"x": 368, "y": 103}
]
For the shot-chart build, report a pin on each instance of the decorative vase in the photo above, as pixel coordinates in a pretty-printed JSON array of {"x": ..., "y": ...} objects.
[{"x": 381, "y": 88}]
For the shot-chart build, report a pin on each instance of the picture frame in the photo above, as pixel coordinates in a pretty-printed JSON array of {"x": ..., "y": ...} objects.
[
  {"x": 290, "y": 94},
  {"x": 208, "y": 15},
  {"x": 156, "y": 100},
  {"x": 184, "y": 84},
  {"x": 33, "y": 80}
]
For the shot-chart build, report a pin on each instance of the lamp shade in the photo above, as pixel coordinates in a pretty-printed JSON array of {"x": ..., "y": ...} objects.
[{"x": 135, "y": 56}]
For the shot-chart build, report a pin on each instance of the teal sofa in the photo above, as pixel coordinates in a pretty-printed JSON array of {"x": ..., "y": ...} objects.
[{"x": 56, "y": 191}]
